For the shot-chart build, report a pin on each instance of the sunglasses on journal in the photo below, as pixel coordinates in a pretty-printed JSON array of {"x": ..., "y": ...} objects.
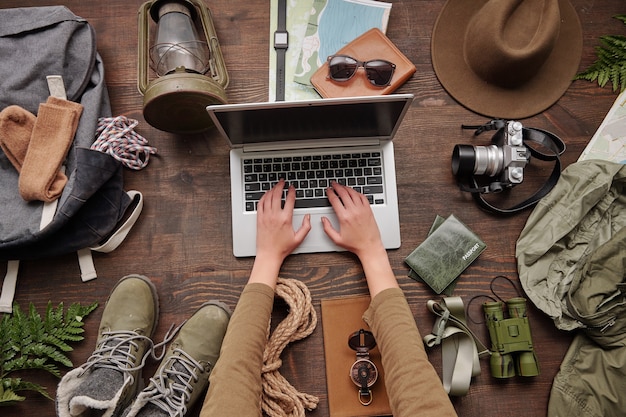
[{"x": 343, "y": 67}]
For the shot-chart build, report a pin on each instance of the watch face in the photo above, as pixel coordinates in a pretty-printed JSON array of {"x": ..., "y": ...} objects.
[
  {"x": 364, "y": 370},
  {"x": 281, "y": 39}
]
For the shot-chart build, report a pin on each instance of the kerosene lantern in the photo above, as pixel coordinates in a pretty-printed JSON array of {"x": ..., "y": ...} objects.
[{"x": 190, "y": 71}]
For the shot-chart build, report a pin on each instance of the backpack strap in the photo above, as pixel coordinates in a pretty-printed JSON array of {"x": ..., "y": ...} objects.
[
  {"x": 49, "y": 208},
  {"x": 85, "y": 258},
  {"x": 460, "y": 346},
  {"x": 8, "y": 287}
]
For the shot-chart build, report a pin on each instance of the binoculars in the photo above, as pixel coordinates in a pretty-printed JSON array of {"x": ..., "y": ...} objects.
[{"x": 511, "y": 341}]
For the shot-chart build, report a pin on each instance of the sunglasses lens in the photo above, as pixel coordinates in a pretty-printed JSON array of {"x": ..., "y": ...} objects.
[
  {"x": 379, "y": 72},
  {"x": 342, "y": 68}
]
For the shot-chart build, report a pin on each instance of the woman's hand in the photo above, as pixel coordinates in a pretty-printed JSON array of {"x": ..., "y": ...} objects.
[
  {"x": 358, "y": 231},
  {"x": 275, "y": 235}
]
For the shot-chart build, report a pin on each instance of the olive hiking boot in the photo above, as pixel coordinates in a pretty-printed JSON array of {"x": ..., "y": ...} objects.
[
  {"x": 183, "y": 374},
  {"x": 109, "y": 380}
]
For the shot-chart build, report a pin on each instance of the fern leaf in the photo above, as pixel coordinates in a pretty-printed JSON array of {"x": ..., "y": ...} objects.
[
  {"x": 9, "y": 397},
  {"x": 77, "y": 312},
  {"x": 24, "y": 362},
  {"x": 57, "y": 342},
  {"x": 610, "y": 65},
  {"x": 10, "y": 386},
  {"x": 47, "y": 352},
  {"x": 29, "y": 341},
  {"x": 52, "y": 369},
  {"x": 72, "y": 333},
  {"x": 68, "y": 332}
]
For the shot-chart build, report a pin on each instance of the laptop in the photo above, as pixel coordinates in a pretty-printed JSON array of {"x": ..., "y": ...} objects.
[{"x": 311, "y": 143}]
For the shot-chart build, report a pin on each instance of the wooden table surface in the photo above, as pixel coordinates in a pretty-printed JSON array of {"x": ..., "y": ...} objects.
[{"x": 182, "y": 240}]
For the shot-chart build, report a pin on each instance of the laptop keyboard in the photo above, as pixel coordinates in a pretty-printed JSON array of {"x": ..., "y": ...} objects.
[{"x": 312, "y": 174}]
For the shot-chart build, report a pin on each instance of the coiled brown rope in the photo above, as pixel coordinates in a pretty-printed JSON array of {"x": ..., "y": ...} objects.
[{"x": 279, "y": 397}]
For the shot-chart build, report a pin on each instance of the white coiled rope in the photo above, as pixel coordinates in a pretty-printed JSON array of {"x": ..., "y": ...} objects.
[{"x": 116, "y": 136}]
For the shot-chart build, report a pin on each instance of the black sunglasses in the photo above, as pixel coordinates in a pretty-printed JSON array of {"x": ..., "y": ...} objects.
[{"x": 343, "y": 67}]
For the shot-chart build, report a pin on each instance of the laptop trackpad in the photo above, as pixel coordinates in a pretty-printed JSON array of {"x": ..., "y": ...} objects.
[{"x": 317, "y": 240}]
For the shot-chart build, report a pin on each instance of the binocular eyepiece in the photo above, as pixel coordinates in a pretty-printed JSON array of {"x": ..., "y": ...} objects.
[{"x": 512, "y": 350}]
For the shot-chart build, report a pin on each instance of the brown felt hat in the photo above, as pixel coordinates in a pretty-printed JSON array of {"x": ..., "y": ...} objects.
[{"x": 508, "y": 59}]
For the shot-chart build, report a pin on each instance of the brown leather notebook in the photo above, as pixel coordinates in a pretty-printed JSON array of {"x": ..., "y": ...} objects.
[
  {"x": 373, "y": 44},
  {"x": 341, "y": 317}
]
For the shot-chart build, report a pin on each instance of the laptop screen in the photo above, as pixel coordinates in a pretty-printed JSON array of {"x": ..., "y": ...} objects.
[{"x": 363, "y": 117}]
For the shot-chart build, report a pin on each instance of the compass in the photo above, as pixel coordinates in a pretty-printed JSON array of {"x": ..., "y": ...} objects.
[{"x": 363, "y": 371}]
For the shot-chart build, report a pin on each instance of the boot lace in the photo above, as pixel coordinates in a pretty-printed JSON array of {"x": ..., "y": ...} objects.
[
  {"x": 171, "y": 388},
  {"x": 116, "y": 348}
]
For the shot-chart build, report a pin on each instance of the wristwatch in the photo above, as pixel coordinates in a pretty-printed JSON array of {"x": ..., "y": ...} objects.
[
  {"x": 363, "y": 371},
  {"x": 281, "y": 43}
]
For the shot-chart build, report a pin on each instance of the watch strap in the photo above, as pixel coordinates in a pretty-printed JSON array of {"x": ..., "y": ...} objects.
[{"x": 281, "y": 43}]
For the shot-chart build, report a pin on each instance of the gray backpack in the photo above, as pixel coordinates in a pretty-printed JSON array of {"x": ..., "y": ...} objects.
[{"x": 43, "y": 47}]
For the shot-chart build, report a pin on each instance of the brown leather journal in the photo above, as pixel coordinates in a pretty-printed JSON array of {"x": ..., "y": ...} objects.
[
  {"x": 373, "y": 44},
  {"x": 341, "y": 317}
]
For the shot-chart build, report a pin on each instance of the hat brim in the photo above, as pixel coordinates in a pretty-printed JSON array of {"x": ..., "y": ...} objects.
[{"x": 534, "y": 96}]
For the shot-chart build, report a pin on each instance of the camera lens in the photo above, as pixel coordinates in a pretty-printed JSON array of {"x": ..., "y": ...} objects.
[
  {"x": 463, "y": 160},
  {"x": 479, "y": 160}
]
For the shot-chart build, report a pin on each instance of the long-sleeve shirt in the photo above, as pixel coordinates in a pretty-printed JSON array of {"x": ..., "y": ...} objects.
[{"x": 412, "y": 384}]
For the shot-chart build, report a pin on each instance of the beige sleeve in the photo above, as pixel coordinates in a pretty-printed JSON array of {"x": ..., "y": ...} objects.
[
  {"x": 235, "y": 383},
  {"x": 413, "y": 386}
]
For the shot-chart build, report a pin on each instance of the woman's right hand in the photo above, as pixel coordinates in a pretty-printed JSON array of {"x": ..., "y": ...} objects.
[{"x": 358, "y": 231}]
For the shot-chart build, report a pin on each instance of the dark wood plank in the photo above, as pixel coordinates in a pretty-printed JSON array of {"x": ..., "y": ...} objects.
[{"x": 183, "y": 239}]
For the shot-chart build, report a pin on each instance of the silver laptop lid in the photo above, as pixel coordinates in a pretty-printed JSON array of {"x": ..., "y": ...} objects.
[{"x": 371, "y": 117}]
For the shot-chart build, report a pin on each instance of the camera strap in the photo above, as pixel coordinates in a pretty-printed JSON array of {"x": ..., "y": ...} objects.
[{"x": 531, "y": 138}]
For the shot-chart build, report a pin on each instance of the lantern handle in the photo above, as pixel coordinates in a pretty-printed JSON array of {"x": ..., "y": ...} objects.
[
  {"x": 143, "y": 39},
  {"x": 217, "y": 64}
]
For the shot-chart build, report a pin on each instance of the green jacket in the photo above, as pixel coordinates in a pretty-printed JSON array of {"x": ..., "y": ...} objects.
[{"x": 571, "y": 263}]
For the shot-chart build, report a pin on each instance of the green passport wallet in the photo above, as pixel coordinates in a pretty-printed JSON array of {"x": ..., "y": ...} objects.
[{"x": 447, "y": 251}]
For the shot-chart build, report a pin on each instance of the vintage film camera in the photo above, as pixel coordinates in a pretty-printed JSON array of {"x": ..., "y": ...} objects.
[{"x": 512, "y": 351}]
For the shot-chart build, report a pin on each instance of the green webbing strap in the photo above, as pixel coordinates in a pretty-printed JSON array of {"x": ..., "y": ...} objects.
[{"x": 460, "y": 347}]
